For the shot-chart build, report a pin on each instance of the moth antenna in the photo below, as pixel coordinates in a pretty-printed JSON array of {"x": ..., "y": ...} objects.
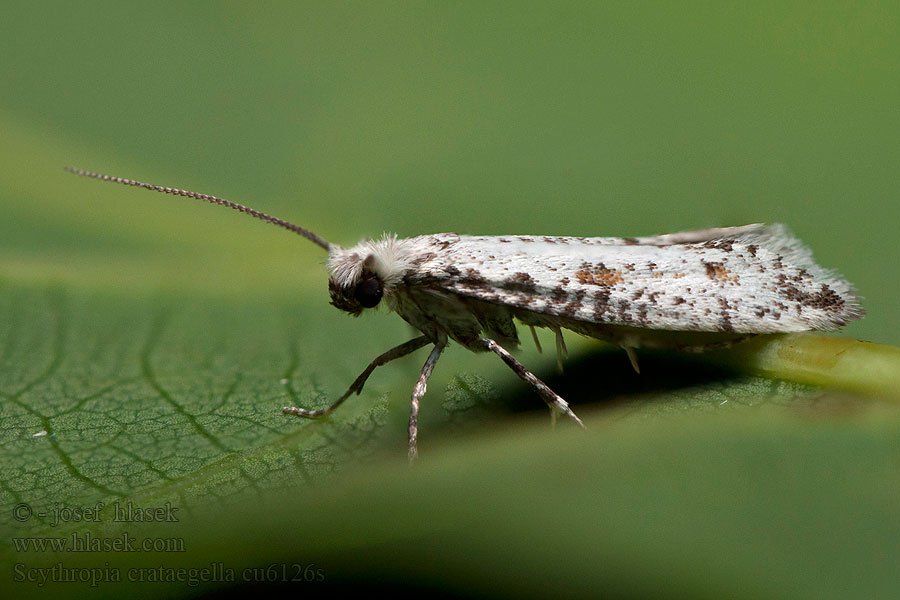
[{"x": 212, "y": 199}]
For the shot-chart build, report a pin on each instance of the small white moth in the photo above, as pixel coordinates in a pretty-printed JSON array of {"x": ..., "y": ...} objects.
[{"x": 690, "y": 291}]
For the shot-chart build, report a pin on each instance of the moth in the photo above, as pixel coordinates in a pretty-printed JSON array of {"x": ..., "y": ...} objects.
[{"x": 692, "y": 291}]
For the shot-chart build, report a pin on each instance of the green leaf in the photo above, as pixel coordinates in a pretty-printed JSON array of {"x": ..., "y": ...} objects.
[
  {"x": 170, "y": 401},
  {"x": 148, "y": 343}
]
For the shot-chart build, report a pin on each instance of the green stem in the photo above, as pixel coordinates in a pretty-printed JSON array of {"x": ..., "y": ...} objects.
[{"x": 820, "y": 360}]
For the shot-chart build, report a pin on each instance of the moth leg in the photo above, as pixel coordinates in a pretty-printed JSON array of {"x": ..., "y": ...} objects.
[
  {"x": 418, "y": 392},
  {"x": 561, "y": 349},
  {"x": 537, "y": 342},
  {"x": 553, "y": 400},
  {"x": 633, "y": 358},
  {"x": 357, "y": 386}
]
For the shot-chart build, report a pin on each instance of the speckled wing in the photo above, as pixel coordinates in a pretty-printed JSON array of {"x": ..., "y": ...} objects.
[{"x": 751, "y": 279}]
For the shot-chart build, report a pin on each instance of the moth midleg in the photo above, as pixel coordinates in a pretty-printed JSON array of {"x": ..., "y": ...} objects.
[
  {"x": 357, "y": 386},
  {"x": 418, "y": 392},
  {"x": 561, "y": 349},
  {"x": 553, "y": 400},
  {"x": 537, "y": 342}
]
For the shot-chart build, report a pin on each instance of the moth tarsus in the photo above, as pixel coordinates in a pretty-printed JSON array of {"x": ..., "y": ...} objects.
[
  {"x": 418, "y": 392},
  {"x": 357, "y": 386},
  {"x": 553, "y": 400},
  {"x": 690, "y": 291}
]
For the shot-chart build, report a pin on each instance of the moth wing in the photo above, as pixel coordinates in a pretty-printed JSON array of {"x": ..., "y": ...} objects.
[
  {"x": 750, "y": 279},
  {"x": 690, "y": 237}
]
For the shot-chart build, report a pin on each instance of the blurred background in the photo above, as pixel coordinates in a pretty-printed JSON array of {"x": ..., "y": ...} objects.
[
  {"x": 154, "y": 339},
  {"x": 588, "y": 119}
]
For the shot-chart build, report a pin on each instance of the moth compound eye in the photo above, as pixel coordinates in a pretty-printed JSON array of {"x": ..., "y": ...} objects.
[{"x": 368, "y": 292}]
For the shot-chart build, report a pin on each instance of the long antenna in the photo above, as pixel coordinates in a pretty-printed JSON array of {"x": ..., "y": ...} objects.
[{"x": 220, "y": 201}]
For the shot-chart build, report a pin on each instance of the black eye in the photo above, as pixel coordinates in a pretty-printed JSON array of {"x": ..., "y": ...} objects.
[{"x": 368, "y": 292}]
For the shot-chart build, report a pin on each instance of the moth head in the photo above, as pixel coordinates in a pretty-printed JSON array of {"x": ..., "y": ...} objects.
[{"x": 353, "y": 284}]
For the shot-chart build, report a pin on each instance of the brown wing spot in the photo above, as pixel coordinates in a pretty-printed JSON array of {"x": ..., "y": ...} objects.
[
  {"x": 598, "y": 275},
  {"x": 725, "y": 325},
  {"x": 442, "y": 244},
  {"x": 624, "y": 314},
  {"x": 642, "y": 315},
  {"x": 572, "y": 307},
  {"x": 601, "y": 304},
  {"x": 630, "y": 241},
  {"x": 472, "y": 277},
  {"x": 520, "y": 282},
  {"x": 584, "y": 275},
  {"x": 725, "y": 245},
  {"x": 825, "y": 299},
  {"x": 717, "y": 271}
]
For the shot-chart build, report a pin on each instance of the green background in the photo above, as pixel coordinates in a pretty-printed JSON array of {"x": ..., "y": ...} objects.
[{"x": 148, "y": 334}]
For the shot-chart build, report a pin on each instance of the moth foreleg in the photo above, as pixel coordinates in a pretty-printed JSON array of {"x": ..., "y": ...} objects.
[
  {"x": 357, "y": 386},
  {"x": 553, "y": 400},
  {"x": 418, "y": 392}
]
